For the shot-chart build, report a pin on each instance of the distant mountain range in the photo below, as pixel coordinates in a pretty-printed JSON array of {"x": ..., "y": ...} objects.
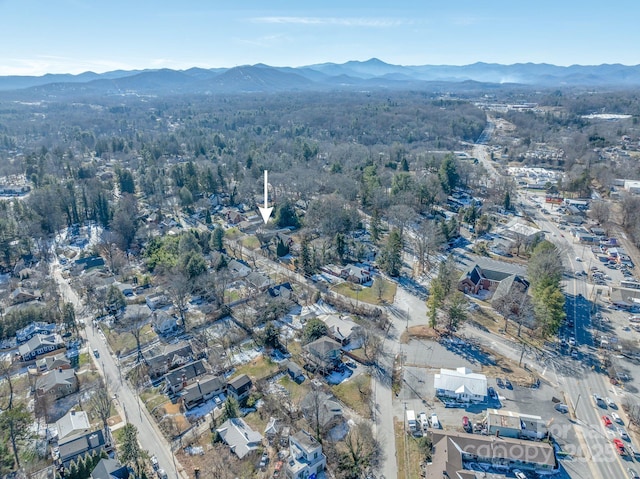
[{"x": 370, "y": 74}]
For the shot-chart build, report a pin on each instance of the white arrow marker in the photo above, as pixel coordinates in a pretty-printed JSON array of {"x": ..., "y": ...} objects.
[{"x": 266, "y": 211}]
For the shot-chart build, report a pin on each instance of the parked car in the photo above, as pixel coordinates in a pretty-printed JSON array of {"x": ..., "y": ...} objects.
[
  {"x": 599, "y": 402},
  {"x": 508, "y": 384},
  {"x": 619, "y": 445},
  {"x": 610, "y": 403},
  {"x": 424, "y": 421},
  {"x": 96, "y": 353},
  {"x": 632, "y": 473},
  {"x": 500, "y": 383},
  {"x": 154, "y": 463},
  {"x": 492, "y": 392},
  {"x": 606, "y": 420},
  {"x": 435, "y": 423},
  {"x": 623, "y": 434},
  {"x": 616, "y": 418},
  {"x": 519, "y": 474}
]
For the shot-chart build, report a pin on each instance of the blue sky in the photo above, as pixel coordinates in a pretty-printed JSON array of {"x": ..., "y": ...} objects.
[{"x": 72, "y": 36}]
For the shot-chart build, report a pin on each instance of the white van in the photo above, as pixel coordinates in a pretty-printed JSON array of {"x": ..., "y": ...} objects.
[
  {"x": 411, "y": 420},
  {"x": 424, "y": 422},
  {"x": 435, "y": 423}
]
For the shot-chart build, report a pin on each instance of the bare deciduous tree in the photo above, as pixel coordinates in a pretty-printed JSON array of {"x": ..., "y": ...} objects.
[{"x": 101, "y": 403}]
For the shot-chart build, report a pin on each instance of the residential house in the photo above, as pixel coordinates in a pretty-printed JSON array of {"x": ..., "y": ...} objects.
[
  {"x": 284, "y": 291},
  {"x": 23, "y": 295},
  {"x": 324, "y": 353},
  {"x": 51, "y": 363},
  {"x": 238, "y": 269},
  {"x": 38, "y": 345},
  {"x": 157, "y": 301},
  {"x": 460, "y": 384},
  {"x": 234, "y": 217},
  {"x": 57, "y": 383},
  {"x": 202, "y": 390},
  {"x": 110, "y": 469},
  {"x": 515, "y": 425},
  {"x": 72, "y": 424},
  {"x": 306, "y": 458},
  {"x": 169, "y": 357},
  {"x": 461, "y": 455},
  {"x": 320, "y": 405},
  {"x": 356, "y": 274},
  {"x": 25, "y": 334},
  {"x": 487, "y": 276},
  {"x": 80, "y": 446},
  {"x": 163, "y": 322},
  {"x": 272, "y": 428},
  {"x": 178, "y": 379},
  {"x": 87, "y": 263},
  {"x": 258, "y": 280},
  {"x": 240, "y": 438},
  {"x": 239, "y": 387},
  {"x": 343, "y": 330}
]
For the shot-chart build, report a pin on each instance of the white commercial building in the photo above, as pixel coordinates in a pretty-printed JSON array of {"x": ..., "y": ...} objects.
[{"x": 461, "y": 384}]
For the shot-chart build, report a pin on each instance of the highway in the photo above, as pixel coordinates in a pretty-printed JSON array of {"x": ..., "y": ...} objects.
[
  {"x": 127, "y": 402},
  {"x": 578, "y": 380}
]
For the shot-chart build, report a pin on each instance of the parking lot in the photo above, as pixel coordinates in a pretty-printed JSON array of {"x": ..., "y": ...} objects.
[{"x": 424, "y": 358}]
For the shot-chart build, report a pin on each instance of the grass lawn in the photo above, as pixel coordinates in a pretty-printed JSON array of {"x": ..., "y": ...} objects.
[
  {"x": 251, "y": 242},
  {"x": 255, "y": 422},
  {"x": 349, "y": 394},
  {"x": 408, "y": 452},
  {"x": 233, "y": 233},
  {"x": 152, "y": 398},
  {"x": 233, "y": 295},
  {"x": 367, "y": 294},
  {"x": 294, "y": 348},
  {"x": 258, "y": 368},
  {"x": 121, "y": 342},
  {"x": 296, "y": 391},
  {"x": 83, "y": 359}
]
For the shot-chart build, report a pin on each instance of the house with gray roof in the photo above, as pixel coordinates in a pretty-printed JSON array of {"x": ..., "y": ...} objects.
[
  {"x": 239, "y": 387},
  {"x": 110, "y": 469},
  {"x": 72, "y": 424},
  {"x": 306, "y": 458},
  {"x": 240, "y": 438},
  {"x": 39, "y": 345},
  {"x": 80, "y": 446},
  {"x": 57, "y": 383},
  {"x": 320, "y": 405},
  {"x": 488, "y": 275},
  {"x": 180, "y": 378},
  {"x": 37, "y": 327},
  {"x": 169, "y": 357},
  {"x": 202, "y": 390},
  {"x": 50, "y": 363},
  {"x": 324, "y": 353}
]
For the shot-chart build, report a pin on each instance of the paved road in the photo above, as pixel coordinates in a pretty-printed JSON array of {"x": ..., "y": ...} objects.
[
  {"x": 578, "y": 379},
  {"x": 128, "y": 403}
]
